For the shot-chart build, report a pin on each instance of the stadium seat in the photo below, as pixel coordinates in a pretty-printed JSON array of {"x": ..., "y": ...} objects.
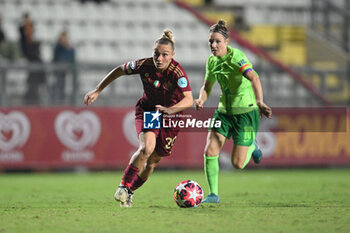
[
  {"x": 46, "y": 51},
  {"x": 116, "y": 21},
  {"x": 263, "y": 35},
  {"x": 225, "y": 15},
  {"x": 11, "y": 30}
]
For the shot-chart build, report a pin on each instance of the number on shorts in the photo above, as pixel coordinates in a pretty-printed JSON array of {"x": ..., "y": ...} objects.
[
  {"x": 170, "y": 142},
  {"x": 248, "y": 132}
]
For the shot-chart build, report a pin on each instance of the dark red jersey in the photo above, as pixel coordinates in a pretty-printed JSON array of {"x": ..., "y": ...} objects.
[{"x": 164, "y": 88}]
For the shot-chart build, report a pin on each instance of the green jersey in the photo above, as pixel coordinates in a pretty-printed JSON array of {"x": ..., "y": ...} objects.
[{"x": 237, "y": 95}]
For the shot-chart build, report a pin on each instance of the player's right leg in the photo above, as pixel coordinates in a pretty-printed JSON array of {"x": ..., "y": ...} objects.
[
  {"x": 151, "y": 163},
  {"x": 125, "y": 196},
  {"x": 147, "y": 142},
  {"x": 148, "y": 169},
  {"x": 215, "y": 142},
  {"x": 141, "y": 178}
]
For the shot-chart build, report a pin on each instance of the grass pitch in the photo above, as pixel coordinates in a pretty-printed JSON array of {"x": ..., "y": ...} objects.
[{"x": 251, "y": 201}]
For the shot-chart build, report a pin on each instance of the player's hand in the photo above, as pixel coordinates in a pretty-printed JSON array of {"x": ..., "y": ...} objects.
[
  {"x": 264, "y": 110},
  {"x": 164, "y": 110},
  {"x": 91, "y": 96},
  {"x": 199, "y": 104}
]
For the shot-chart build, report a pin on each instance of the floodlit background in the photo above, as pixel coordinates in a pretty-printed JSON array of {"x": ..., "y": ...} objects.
[
  {"x": 308, "y": 37},
  {"x": 299, "y": 48}
]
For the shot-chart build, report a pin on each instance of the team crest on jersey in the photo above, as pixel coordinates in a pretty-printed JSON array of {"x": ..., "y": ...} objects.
[
  {"x": 242, "y": 62},
  {"x": 147, "y": 75},
  {"x": 182, "y": 82}
]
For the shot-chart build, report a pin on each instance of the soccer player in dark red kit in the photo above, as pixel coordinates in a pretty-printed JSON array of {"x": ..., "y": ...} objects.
[{"x": 167, "y": 90}]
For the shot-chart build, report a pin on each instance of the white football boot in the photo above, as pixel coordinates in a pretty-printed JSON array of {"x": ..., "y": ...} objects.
[
  {"x": 129, "y": 200},
  {"x": 124, "y": 195}
]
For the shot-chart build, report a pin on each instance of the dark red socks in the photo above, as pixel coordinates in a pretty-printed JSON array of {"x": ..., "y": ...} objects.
[
  {"x": 138, "y": 182},
  {"x": 130, "y": 174}
]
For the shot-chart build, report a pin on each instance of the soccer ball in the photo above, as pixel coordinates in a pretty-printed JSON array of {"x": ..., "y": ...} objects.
[{"x": 188, "y": 194}]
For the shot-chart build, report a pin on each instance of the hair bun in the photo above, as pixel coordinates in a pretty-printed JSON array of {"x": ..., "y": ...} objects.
[
  {"x": 168, "y": 35},
  {"x": 222, "y": 22},
  {"x": 221, "y": 28}
]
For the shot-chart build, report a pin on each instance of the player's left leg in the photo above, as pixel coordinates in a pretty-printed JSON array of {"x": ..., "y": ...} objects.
[
  {"x": 244, "y": 134},
  {"x": 257, "y": 154}
]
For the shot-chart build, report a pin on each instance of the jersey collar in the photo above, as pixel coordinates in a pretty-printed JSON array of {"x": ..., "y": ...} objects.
[{"x": 229, "y": 52}]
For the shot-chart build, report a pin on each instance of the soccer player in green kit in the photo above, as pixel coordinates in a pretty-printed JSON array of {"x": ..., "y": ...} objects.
[{"x": 240, "y": 103}]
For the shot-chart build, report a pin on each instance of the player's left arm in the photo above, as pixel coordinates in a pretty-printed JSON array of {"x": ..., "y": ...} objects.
[
  {"x": 256, "y": 85},
  {"x": 186, "y": 102}
]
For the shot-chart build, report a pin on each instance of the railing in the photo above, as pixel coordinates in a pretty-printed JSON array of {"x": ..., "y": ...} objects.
[
  {"x": 42, "y": 83},
  {"x": 279, "y": 89}
]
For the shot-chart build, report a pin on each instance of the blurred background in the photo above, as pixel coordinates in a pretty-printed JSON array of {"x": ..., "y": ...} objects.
[{"x": 53, "y": 52}]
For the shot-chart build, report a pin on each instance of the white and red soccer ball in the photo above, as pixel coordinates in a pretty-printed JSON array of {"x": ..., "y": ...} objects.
[{"x": 188, "y": 193}]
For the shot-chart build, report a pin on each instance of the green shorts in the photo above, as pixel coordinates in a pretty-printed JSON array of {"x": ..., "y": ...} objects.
[{"x": 242, "y": 127}]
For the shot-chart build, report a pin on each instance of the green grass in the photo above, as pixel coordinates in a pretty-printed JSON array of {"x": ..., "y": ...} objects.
[{"x": 251, "y": 201}]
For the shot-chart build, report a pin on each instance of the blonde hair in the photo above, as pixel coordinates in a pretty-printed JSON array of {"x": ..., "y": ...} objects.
[
  {"x": 220, "y": 27},
  {"x": 166, "y": 38}
]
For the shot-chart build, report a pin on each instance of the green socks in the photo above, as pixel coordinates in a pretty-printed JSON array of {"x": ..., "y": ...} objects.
[
  {"x": 249, "y": 154},
  {"x": 211, "y": 169}
]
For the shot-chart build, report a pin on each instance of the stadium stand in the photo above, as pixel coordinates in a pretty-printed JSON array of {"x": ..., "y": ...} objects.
[
  {"x": 115, "y": 31},
  {"x": 283, "y": 28}
]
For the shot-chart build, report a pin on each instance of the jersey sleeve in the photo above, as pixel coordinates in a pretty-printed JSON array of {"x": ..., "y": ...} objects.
[
  {"x": 209, "y": 76},
  {"x": 183, "y": 83},
  {"x": 133, "y": 67},
  {"x": 241, "y": 62}
]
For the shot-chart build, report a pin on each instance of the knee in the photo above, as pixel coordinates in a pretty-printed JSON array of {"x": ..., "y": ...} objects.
[
  {"x": 238, "y": 164},
  {"x": 151, "y": 165},
  {"x": 146, "y": 150},
  {"x": 210, "y": 151}
]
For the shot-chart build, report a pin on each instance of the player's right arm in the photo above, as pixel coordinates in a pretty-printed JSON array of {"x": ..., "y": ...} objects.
[
  {"x": 204, "y": 94},
  {"x": 91, "y": 96},
  {"x": 208, "y": 84}
]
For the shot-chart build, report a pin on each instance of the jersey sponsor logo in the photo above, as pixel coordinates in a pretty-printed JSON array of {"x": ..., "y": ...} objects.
[
  {"x": 242, "y": 62},
  {"x": 151, "y": 120},
  {"x": 182, "y": 82}
]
